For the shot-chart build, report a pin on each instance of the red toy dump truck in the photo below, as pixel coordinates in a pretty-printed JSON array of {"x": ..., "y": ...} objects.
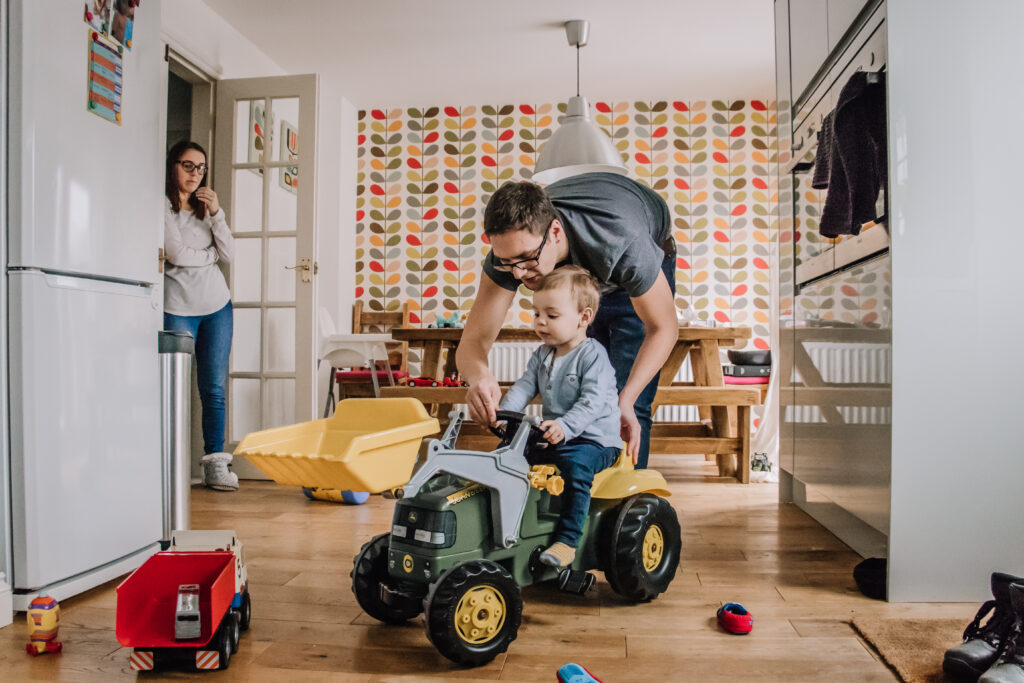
[{"x": 187, "y": 605}]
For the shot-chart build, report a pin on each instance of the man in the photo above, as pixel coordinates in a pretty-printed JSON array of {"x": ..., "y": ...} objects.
[{"x": 617, "y": 229}]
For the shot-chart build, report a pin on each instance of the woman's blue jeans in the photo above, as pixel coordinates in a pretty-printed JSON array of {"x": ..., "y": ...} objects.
[
  {"x": 213, "y": 346},
  {"x": 619, "y": 329}
]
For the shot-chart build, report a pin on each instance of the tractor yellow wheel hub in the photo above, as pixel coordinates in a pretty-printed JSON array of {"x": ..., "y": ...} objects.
[
  {"x": 480, "y": 614},
  {"x": 654, "y": 547}
]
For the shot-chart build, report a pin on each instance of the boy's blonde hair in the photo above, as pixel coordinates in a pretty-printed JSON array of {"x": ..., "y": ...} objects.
[{"x": 582, "y": 285}]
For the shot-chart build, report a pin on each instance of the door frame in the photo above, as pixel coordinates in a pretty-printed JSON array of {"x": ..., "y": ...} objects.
[{"x": 306, "y": 88}]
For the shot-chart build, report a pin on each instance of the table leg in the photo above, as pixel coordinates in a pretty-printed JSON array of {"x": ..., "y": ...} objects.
[
  {"x": 675, "y": 361},
  {"x": 431, "y": 359},
  {"x": 700, "y": 378},
  {"x": 721, "y": 416}
]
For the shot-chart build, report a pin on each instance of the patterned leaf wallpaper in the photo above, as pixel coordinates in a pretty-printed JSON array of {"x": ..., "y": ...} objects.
[{"x": 426, "y": 174}]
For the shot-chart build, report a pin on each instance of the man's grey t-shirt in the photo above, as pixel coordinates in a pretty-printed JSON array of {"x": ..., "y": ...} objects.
[{"x": 615, "y": 227}]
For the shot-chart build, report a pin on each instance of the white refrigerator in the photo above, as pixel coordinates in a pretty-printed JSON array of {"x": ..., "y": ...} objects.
[{"x": 84, "y": 301}]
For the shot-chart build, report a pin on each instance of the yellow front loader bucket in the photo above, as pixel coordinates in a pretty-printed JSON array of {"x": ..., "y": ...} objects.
[{"x": 369, "y": 444}]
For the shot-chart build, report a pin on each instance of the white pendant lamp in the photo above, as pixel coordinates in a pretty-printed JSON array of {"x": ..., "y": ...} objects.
[{"x": 578, "y": 146}]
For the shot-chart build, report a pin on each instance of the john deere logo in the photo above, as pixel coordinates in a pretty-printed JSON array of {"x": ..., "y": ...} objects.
[
  {"x": 407, "y": 563},
  {"x": 413, "y": 517}
]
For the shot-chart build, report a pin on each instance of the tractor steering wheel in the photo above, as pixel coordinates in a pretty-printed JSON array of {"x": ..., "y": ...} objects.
[{"x": 512, "y": 420}]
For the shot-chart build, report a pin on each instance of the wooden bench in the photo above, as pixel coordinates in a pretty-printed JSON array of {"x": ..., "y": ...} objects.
[
  {"x": 714, "y": 436},
  {"x": 732, "y": 452}
]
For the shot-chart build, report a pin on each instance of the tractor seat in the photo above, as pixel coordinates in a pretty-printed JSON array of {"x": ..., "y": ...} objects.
[{"x": 621, "y": 481}]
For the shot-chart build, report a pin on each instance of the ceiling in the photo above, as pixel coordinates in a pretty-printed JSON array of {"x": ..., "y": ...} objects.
[{"x": 398, "y": 53}]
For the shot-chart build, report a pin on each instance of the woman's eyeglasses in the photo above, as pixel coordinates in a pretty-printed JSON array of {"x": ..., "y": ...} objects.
[
  {"x": 192, "y": 168},
  {"x": 523, "y": 264}
]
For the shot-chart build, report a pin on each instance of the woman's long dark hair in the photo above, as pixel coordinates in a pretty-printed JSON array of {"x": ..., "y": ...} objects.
[{"x": 171, "y": 187}]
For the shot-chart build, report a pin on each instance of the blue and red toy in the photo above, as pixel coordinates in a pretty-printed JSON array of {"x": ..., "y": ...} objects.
[{"x": 735, "y": 618}]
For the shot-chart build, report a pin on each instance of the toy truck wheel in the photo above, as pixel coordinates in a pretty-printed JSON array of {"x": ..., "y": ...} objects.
[
  {"x": 235, "y": 630},
  {"x": 369, "y": 572},
  {"x": 643, "y": 548},
  {"x": 224, "y": 642},
  {"x": 245, "y": 611},
  {"x": 473, "y": 612}
]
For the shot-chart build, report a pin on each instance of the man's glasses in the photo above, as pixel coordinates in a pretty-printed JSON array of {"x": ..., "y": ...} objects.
[
  {"x": 523, "y": 264},
  {"x": 192, "y": 168}
]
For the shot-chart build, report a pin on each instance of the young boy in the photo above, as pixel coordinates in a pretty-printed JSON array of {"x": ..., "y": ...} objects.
[{"x": 576, "y": 382}]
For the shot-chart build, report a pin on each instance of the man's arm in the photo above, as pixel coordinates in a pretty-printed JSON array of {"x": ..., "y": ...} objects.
[
  {"x": 657, "y": 310},
  {"x": 482, "y": 327}
]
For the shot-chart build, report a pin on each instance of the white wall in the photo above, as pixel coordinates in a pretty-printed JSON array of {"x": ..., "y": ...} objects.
[
  {"x": 202, "y": 36},
  {"x": 954, "y": 150}
]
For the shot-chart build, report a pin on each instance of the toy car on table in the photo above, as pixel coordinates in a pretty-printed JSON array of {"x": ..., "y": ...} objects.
[{"x": 469, "y": 528}]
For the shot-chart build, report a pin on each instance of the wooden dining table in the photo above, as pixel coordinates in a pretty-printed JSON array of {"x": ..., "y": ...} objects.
[{"x": 700, "y": 343}]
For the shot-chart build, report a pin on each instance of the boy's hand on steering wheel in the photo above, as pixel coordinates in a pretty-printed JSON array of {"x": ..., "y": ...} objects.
[{"x": 552, "y": 431}]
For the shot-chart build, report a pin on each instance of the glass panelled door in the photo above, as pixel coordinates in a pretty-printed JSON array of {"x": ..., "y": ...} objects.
[{"x": 264, "y": 173}]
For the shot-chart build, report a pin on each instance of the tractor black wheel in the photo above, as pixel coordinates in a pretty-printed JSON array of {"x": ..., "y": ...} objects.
[
  {"x": 643, "y": 548},
  {"x": 245, "y": 611},
  {"x": 473, "y": 611},
  {"x": 369, "y": 571},
  {"x": 235, "y": 629}
]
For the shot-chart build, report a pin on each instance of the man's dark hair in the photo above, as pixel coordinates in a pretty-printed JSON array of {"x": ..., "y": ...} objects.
[{"x": 518, "y": 206}]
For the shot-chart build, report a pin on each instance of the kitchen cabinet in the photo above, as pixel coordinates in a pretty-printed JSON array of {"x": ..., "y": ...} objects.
[
  {"x": 903, "y": 440},
  {"x": 808, "y": 41}
]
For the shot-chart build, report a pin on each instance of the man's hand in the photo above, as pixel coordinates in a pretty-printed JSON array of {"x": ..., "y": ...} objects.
[
  {"x": 483, "y": 398},
  {"x": 630, "y": 431},
  {"x": 552, "y": 431}
]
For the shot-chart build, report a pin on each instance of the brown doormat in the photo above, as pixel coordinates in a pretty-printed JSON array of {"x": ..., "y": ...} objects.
[{"x": 912, "y": 647}]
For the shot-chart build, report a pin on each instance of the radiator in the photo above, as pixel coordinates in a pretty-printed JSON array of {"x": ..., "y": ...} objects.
[{"x": 848, "y": 364}]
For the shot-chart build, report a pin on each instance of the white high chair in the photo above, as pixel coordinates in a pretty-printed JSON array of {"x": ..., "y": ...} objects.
[{"x": 351, "y": 351}]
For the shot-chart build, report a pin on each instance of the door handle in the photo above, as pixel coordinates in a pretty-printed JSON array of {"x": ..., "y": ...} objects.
[{"x": 308, "y": 266}]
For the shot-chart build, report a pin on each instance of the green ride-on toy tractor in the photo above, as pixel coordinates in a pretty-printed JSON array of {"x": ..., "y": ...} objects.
[{"x": 469, "y": 527}]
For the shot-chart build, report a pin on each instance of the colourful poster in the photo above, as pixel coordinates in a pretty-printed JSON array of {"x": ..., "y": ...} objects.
[
  {"x": 289, "y": 152},
  {"x": 257, "y": 125},
  {"x": 105, "y": 78}
]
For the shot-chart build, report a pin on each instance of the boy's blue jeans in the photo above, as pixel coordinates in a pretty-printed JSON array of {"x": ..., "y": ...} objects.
[
  {"x": 619, "y": 329},
  {"x": 577, "y": 462},
  {"x": 213, "y": 346}
]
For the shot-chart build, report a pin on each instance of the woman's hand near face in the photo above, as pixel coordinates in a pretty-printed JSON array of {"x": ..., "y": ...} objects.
[{"x": 209, "y": 198}]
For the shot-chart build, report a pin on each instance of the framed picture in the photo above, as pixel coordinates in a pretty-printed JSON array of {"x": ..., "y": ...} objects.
[
  {"x": 257, "y": 134},
  {"x": 289, "y": 152}
]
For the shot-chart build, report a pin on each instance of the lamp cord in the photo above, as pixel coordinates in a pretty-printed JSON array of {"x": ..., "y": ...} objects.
[{"x": 577, "y": 69}]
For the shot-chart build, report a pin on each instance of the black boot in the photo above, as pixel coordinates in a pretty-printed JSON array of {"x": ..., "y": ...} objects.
[
  {"x": 1009, "y": 668},
  {"x": 983, "y": 644}
]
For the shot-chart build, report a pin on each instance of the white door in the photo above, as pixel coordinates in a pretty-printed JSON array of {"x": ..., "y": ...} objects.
[{"x": 265, "y": 173}]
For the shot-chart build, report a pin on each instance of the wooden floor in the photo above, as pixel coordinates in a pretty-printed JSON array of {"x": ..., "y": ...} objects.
[{"x": 738, "y": 545}]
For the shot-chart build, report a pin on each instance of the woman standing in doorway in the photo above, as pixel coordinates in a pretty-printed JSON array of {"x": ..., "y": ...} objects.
[{"x": 196, "y": 297}]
